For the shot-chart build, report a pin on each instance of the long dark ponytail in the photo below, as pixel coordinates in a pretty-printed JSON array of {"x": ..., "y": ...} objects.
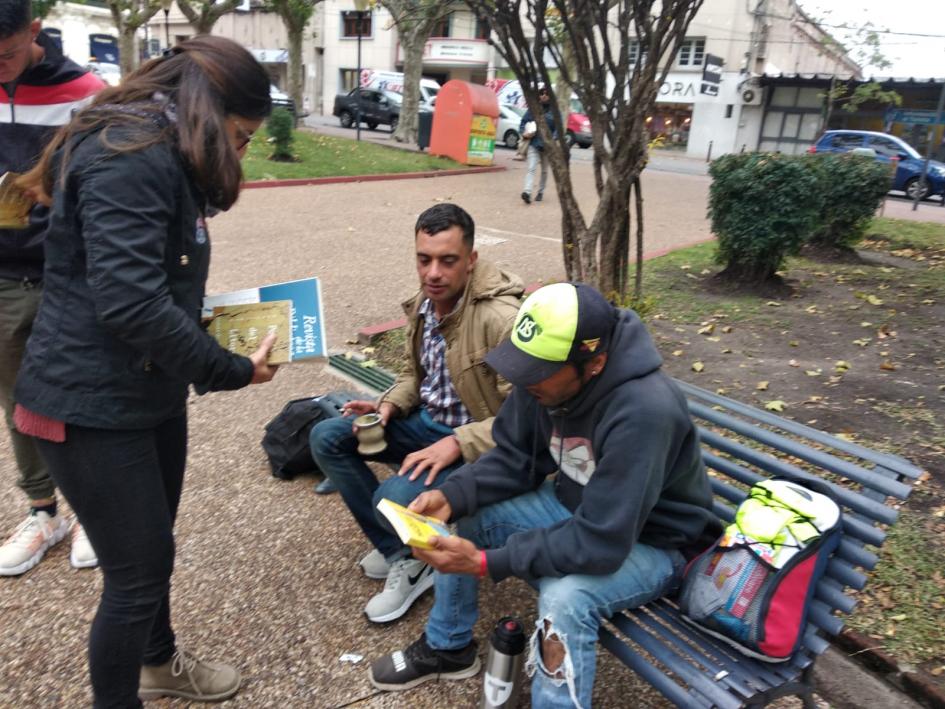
[{"x": 200, "y": 81}]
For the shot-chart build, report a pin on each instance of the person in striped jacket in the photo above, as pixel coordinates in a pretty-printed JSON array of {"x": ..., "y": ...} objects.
[{"x": 39, "y": 90}]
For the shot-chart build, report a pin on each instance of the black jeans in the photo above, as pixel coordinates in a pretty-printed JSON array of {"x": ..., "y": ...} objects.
[{"x": 125, "y": 486}]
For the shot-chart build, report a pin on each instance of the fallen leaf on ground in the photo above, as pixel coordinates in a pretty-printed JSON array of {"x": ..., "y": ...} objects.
[
  {"x": 721, "y": 391},
  {"x": 707, "y": 330},
  {"x": 794, "y": 363},
  {"x": 794, "y": 343},
  {"x": 677, "y": 353},
  {"x": 812, "y": 372},
  {"x": 697, "y": 366},
  {"x": 369, "y": 363},
  {"x": 761, "y": 386},
  {"x": 863, "y": 342},
  {"x": 727, "y": 329},
  {"x": 773, "y": 304},
  {"x": 888, "y": 366},
  {"x": 841, "y": 365},
  {"x": 368, "y": 350},
  {"x": 873, "y": 300},
  {"x": 776, "y": 405},
  {"x": 845, "y": 436}
]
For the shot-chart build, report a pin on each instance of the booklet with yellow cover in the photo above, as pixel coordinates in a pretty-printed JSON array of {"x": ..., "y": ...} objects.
[
  {"x": 414, "y": 530},
  {"x": 241, "y": 328}
]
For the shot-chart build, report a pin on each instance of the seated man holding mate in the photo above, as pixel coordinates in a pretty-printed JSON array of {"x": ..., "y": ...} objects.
[{"x": 439, "y": 412}]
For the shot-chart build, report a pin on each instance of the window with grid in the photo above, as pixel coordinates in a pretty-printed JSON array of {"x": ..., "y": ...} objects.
[
  {"x": 349, "y": 24},
  {"x": 635, "y": 52},
  {"x": 691, "y": 52}
]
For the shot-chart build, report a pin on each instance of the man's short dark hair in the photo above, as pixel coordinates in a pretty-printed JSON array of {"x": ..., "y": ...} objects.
[
  {"x": 443, "y": 216},
  {"x": 15, "y": 16}
]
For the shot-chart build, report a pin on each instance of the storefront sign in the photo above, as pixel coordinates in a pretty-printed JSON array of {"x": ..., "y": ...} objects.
[
  {"x": 684, "y": 87},
  {"x": 913, "y": 116},
  {"x": 448, "y": 51}
]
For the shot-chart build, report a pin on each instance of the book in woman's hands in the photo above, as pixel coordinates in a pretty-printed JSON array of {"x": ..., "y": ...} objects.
[
  {"x": 414, "y": 530},
  {"x": 242, "y": 328}
]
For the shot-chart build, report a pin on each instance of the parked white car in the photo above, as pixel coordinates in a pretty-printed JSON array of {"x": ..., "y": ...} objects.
[
  {"x": 506, "y": 132},
  {"x": 107, "y": 72}
]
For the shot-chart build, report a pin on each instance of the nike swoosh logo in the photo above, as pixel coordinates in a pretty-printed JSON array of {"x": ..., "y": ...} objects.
[{"x": 413, "y": 579}]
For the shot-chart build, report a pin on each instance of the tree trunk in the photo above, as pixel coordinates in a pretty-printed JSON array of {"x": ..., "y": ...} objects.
[
  {"x": 638, "y": 275},
  {"x": 295, "y": 65},
  {"x": 412, "y": 42},
  {"x": 127, "y": 48}
]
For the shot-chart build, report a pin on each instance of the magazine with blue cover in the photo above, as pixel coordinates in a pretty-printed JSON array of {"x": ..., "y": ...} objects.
[{"x": 306, "y": 318}]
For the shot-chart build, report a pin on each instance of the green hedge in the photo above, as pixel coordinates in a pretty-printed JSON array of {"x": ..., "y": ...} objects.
[
  {"x": 280, "y": 127},
  {"x": 851, "y": 189},
  {"x": 765, "y": 206}
]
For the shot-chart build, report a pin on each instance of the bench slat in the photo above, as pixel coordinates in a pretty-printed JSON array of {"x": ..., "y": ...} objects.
[
  {"x": 895, "y": 463},
  {"x": 821, "y": 616},
  {"x": 710, "y": 665},
  {"x": 855, "y": 501},
  {"x": 734, "y": 664},
  {"x": 668, "y": 657},
  {"x": 830, "y": 593},
  {"x": 632, "y": 659},
  {"x": 870, "y": 479},
  {"x": 844, "y": 572}
]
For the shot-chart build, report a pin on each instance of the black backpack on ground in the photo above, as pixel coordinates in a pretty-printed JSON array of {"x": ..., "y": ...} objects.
[{"x": 286, "y": 439}]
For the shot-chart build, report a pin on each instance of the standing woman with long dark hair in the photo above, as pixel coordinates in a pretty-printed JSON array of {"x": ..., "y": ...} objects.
[{"x": 117, "y": 341}]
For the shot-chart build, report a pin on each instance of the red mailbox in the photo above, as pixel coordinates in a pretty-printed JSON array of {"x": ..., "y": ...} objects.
[{"x": 464, "y": 123}]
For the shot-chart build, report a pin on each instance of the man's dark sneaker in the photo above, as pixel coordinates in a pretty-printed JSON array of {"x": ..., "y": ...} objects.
[
  {"x": 325, "y": 487},
  {"x": 539, "y": 197},
  {"x": 419, "y": 662},
  {"x": 526, "y": 198}
]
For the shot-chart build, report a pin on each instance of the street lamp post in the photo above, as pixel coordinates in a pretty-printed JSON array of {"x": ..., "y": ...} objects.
[
  {"x": 360, "y": 6},
  {"x": 166, "y": 6}
]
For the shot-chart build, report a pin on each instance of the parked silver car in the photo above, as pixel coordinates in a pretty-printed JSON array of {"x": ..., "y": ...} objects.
[{"x": 506, "y": 132}]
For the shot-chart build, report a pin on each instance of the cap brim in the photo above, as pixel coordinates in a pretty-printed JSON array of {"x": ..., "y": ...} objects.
[{"x": 518, "y": 367}]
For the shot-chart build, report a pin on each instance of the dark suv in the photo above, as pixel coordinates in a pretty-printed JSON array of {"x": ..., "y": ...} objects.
[
  {"x": 886, "y": 147},
  {"x": 377, "y": 108}
]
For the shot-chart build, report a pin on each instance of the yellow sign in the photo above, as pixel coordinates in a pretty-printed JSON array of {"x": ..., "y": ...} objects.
[{"x": 481, "y": 141}]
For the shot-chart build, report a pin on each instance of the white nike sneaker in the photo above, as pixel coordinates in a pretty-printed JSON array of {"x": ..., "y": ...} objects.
[
  {"x": 374, "y": 565},
  {"x": 408, "y": 579},
  {"x": 24, "y": 549},
  {"x": 82, "y": 556}
]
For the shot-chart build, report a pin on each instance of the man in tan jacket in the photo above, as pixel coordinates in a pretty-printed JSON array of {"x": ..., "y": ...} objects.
[{"x": 438, "y": 414}]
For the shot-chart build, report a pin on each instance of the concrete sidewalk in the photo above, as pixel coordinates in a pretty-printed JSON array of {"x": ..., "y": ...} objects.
[{"x": 266, "y": 573}]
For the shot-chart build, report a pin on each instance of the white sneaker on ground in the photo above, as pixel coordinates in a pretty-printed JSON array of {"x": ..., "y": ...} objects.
[
  {"x": 82, "y": 556},
  {"x": 374, "y": 565},
  {"x": 24, "y": 549},
  {"x": 408, "y": 579}
]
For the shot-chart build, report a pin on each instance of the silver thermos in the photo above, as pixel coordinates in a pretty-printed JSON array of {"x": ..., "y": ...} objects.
[{"x": 503, "y": 677}]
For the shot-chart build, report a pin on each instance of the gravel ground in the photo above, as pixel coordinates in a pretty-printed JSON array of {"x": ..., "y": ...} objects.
[{"x": 266, "y": 574}]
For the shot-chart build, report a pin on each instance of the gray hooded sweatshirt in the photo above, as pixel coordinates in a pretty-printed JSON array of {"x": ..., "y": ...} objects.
[{"x": 627, "y": 461}]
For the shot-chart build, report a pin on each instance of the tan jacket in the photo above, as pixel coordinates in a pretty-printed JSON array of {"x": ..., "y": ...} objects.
[{"x": 483, "y": 318}]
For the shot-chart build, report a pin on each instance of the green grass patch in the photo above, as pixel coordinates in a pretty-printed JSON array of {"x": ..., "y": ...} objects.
[
  {"x": 663, "y": 275},
  {"x": 907, "y": 234},
  {"x": 328, "y": 156},
  {"x": 907, "y": 595}
]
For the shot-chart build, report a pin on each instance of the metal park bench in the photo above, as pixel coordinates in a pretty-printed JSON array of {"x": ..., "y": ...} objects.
[{"x": 742, "y": 445}]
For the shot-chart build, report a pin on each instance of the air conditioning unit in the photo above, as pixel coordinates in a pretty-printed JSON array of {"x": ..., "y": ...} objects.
[{"x": 751, "y": 96}]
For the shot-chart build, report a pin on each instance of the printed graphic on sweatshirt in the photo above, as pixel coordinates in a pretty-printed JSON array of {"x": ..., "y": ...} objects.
[{"x": 575, "y": 458}]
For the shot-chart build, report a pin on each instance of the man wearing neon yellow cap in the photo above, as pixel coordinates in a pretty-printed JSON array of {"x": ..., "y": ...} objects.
[{"x": 595, "y": 485}]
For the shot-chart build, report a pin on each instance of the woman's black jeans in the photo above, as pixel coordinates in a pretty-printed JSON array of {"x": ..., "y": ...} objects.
[{"x": 125, "y": 486}]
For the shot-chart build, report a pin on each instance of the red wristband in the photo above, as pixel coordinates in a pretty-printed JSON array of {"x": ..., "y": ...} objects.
[{"x": 483, "y": 569}]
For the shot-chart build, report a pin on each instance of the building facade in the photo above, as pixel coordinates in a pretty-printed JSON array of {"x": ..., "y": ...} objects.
[{"x": 751, "y": 39}]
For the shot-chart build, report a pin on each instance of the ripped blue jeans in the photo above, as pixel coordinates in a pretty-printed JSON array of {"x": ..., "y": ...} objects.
[{"x": 570, "y": 607}]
